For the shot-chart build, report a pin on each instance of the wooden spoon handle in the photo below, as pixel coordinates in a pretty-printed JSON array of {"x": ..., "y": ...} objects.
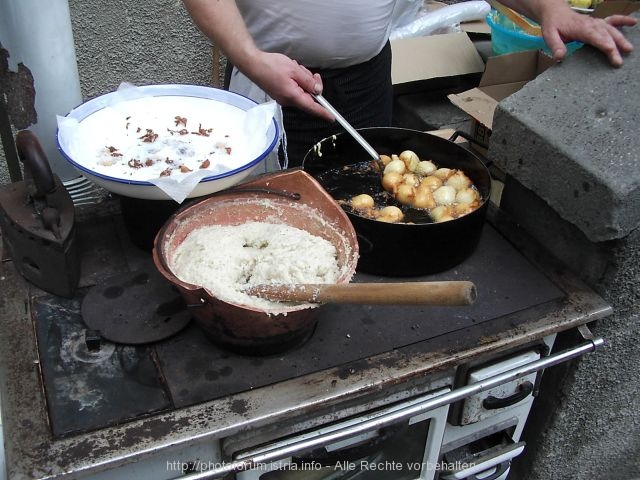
[{"x": 446, "y": 293}]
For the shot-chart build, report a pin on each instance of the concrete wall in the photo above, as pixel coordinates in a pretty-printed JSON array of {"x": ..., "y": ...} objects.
[
  {"x": 141, "y": 42},
  {"x": 568, "y": 142},
  {"x": 144, "y": 42},
  {"x": 586, "y": 424}
]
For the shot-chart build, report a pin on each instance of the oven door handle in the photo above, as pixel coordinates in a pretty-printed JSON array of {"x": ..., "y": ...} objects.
[
  {"x": 477, "y": 465},
  {"x": 493, "y": 403},
  {"x": 386, "y": 417}
]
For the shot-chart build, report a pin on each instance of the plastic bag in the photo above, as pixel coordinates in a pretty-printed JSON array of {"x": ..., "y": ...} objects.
[
  {"x": 448, "y": 17},
  {"x": 404, "y": 12}
]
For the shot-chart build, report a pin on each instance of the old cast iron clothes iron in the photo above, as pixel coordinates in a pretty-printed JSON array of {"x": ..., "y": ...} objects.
[{"x": 37, "y": 218}]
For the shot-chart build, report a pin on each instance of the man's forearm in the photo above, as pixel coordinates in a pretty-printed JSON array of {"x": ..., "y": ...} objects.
[
  {"x": 221, "y": 22},
  {"x": 536, "y": 9}
]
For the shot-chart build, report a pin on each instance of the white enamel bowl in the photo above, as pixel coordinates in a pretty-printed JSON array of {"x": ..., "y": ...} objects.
[{"x": 222, "y": 106}]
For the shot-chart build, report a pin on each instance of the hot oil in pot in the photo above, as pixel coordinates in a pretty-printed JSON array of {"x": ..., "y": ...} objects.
[{"x": 344, "y": 183}]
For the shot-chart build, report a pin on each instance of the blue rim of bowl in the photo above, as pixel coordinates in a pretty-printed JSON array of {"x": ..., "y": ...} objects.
[
  {"x": 94, "y": 105},
  {"x": 521, "y": 35}
]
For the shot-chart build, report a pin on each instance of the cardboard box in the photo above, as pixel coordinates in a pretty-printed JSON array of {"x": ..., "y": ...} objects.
[
  {"x": 503, "y": 76},
  {"x": 477, "y": 28},
  {"x": 506, "y": 74},
  {"x": 420, "y": 59},
  {"x": 612, "y": 7}
]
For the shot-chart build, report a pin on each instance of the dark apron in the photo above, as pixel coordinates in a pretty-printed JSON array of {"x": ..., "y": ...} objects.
[{"x": 362, "y": 93}]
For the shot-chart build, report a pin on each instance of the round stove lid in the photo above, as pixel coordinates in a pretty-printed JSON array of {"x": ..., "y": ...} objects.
[{"x": 135, "y": 308}]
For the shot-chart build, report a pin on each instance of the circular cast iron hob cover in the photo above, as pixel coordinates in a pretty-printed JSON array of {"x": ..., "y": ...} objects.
[{"x": 135, "y": 308}]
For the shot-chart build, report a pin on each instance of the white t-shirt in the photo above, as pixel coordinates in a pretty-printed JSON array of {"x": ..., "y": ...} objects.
[{"x": 323, "y": 34}]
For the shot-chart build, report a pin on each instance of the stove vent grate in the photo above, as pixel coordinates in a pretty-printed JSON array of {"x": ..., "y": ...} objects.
[{"x": 84, "y": 192}]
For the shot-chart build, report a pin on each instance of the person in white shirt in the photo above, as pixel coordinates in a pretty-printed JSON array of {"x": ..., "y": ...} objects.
[{"x": 288, "y": 50}]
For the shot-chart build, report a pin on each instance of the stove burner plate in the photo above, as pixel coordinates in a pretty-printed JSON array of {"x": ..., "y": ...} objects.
[
  {"x": 92, "y": 388},
  {"x": 135, "y": 308}
]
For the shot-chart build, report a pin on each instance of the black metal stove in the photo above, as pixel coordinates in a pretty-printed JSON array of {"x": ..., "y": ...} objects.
[
  {"x": 93, "y": 383},
  {"x": 75, "y": 405}
]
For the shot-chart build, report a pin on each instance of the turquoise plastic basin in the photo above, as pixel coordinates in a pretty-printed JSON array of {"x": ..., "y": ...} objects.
[{"x": 506, "y": 37}]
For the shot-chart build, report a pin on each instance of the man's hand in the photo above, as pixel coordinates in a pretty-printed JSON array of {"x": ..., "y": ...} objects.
[
  {"x": 288, "y": 83},
  {"x": 602, "y": 34},
  {"x": 560, "y": 24}
]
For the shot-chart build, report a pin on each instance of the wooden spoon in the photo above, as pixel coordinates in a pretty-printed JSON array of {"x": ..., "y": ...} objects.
[{"x": 447, "y": 293}]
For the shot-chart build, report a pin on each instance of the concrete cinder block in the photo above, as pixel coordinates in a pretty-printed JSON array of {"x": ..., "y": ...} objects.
[
  {"x": 571, "y": 136},
  {"x": 611, "y": 267},
  {"x": 568, "y": 142},
  {"x": 588, "y": 409}
]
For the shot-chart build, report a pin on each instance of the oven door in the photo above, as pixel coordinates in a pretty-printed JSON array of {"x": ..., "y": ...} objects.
[
  {"x": 430, "y": 410},
  {"x": 385, "y": 444}
]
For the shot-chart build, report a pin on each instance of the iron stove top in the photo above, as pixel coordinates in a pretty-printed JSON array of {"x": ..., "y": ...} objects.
[{"x": 89, "y": 389}]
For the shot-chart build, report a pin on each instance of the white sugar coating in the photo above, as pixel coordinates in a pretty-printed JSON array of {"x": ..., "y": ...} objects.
[{"x": 227, "y": 259}]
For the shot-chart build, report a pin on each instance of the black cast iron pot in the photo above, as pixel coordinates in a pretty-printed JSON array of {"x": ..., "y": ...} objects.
[{"x": 421, "y": 247}]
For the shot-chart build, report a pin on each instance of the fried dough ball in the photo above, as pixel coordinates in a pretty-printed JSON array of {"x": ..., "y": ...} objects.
[
  {"x": 405, "y": 194},
  {"x": 432, "y": 181},
  {"x": 411, "y": 179},
  {"x": 458, "y": 180},
  {"x": 443, "y": 173},
  {"x": 391, "y": 181},
  {"x": 424, "y": 198},
  {"x": 396, "y": 166},
  {"x": 441, "y": 213},
  {"x": 410, "y": 159},
  {"x": 362, "y": 202},
  {"x": 467, "y": 196},
  {"x": 425, "y": 168},
  {"x": 385, "y": 159},
  {"x": 460, "y": 209},
  {"x": 445, "y": 195},
  {"x": 390, "y": 214}
]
